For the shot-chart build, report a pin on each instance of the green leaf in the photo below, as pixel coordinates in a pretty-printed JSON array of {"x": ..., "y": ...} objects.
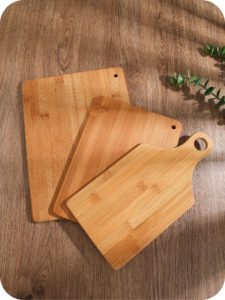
[
  {"x": 223, "y": 50},
  {"x": 180, "y": 79},
  {"x": 206, "y": 83},
  {"x": 214, "y": 52},
  {"x": 218, "y": 93},
  {"x": 221, "y": 103},
  {"x": 209, "y": 91},
  {"x": 189, "y": 76},
  {"x": 211, "y": 51},
  {"x": 192, "y": 79},
  {"x": 172, "y": 80},
  {"x": 175, "y": 75},
  {"x": 198, "y": 81}
]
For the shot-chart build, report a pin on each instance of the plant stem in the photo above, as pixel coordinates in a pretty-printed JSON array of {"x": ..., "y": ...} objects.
[{"x": 206, "y": 89}]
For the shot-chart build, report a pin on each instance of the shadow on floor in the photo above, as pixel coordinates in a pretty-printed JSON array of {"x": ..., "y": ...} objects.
[{"x": 203, "y": 103}]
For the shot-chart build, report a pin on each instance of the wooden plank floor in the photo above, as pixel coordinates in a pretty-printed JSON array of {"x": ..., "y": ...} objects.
[{"x": 149, "y": 40}]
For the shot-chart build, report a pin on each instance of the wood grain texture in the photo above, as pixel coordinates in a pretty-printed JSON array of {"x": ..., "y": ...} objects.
[
  {"x": 132, "y": 202},
  {"x": 55, "y": 113},
  {"x": 149, "y": 40},
  {"x": 113, "y": 128}
]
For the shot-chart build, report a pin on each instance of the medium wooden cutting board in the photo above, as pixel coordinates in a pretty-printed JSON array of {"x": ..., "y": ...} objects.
[
  {"x": 55, "y": 113},
  {"x": 113, "y": 128},
  {"x": 137, "y": 198}
]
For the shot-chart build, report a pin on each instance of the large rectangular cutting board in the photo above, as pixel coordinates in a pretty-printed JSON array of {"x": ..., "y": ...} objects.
[
  {"x": 113, "y": 128},
  {"x": 55, "y": 113}
]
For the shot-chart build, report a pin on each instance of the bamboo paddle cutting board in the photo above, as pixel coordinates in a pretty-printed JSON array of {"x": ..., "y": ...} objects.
[
  {"x": 55, "y": 112},
  {"x": 113, "y": 128},
  {"x": 137, "y": 198}
]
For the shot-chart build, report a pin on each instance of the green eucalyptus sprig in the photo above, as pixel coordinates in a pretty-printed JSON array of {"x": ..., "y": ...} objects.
[
  {"x": 214, "y": 51},
  {"x": 181, "y": 79}
]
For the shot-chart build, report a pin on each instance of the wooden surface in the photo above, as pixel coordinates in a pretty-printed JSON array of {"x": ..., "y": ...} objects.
[
  {"x": 55, "y": 113},
  {"x": 132, "y": 202},
  {"x": 149, "y": 40},
  {"x": 113, "y": 128}
]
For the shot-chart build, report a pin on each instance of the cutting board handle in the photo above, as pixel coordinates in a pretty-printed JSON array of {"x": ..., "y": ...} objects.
[{"x": 190, "y": 145}]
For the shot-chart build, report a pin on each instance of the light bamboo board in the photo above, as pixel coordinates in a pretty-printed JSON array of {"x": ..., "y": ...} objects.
[
  {"x": 113, "y": 128},
  {"x": 55, "y": 112},
  {"x": 137, "y": 198}
]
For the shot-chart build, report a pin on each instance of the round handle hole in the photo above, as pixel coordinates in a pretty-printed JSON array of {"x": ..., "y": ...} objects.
[
  {"x": 174, "y": 127},
  {"x": 200, "y": 144},
  {"x": 116, "y": 75}
]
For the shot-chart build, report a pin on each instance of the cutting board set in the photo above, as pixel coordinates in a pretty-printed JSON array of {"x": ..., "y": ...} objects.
[{"x": 95, "y": 159}]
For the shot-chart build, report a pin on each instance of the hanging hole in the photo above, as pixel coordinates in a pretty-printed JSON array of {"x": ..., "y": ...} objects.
[
  {"x": 116, "y": 75},
  {"x": 174, "y": 127},
  {"x": 200, "y": 144}
]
